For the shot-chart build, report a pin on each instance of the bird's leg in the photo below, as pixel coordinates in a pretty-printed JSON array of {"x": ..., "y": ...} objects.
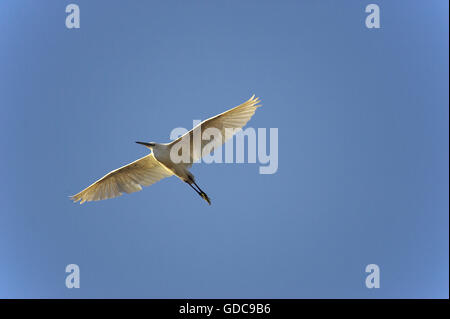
[
  {"x": 195, "y": 189},
  {"x": 200, "y": 192}
]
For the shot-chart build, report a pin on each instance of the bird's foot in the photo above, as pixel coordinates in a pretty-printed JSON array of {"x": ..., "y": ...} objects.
[{"x": 205, "y": 197}]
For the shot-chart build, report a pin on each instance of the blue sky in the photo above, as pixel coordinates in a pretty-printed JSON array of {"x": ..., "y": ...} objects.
[{"x": 363, "y": 129}]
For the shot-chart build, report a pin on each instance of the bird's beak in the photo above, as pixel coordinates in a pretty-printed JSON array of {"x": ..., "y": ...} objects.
[{"x": 146, "y": 144}]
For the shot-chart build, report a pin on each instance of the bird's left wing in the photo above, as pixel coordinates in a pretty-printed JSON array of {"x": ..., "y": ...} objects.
[{"x": 126, "y": 179}]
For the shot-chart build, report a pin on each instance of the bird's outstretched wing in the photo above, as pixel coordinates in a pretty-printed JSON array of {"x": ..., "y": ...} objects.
[
  {"x": 129, "y": 178},
  {"x": 233, "y": 119}
]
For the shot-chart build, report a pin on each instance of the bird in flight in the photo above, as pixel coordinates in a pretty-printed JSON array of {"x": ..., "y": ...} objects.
[{"x": 161, "y": 163}]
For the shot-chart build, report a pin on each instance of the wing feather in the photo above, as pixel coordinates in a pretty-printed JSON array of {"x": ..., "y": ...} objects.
[
  {"x": 235, "y": 118},
  {"x": 126, "y": 179}
]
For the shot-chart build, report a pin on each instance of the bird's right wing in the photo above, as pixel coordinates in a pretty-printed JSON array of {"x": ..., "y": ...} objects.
[
  {"x": 126, "y": 179},
  {"x": 233, "y": 119}
]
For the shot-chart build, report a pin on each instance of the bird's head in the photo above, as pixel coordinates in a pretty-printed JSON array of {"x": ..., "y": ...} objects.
[{"x": 149, "y": 145}]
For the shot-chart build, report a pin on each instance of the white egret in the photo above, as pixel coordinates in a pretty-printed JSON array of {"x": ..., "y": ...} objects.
[{"x": 159, "y": 163}]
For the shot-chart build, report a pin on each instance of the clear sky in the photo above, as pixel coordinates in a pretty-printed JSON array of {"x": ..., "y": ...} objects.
[{"x": 363, "y": 175}]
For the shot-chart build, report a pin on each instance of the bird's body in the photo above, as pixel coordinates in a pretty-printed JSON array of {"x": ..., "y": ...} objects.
[
  {"x": 162, "y": 155},
  {"x": 162, "y": 161}
]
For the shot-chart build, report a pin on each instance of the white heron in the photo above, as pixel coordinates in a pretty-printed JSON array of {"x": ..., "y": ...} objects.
[{"x": 159, "y": 164}]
